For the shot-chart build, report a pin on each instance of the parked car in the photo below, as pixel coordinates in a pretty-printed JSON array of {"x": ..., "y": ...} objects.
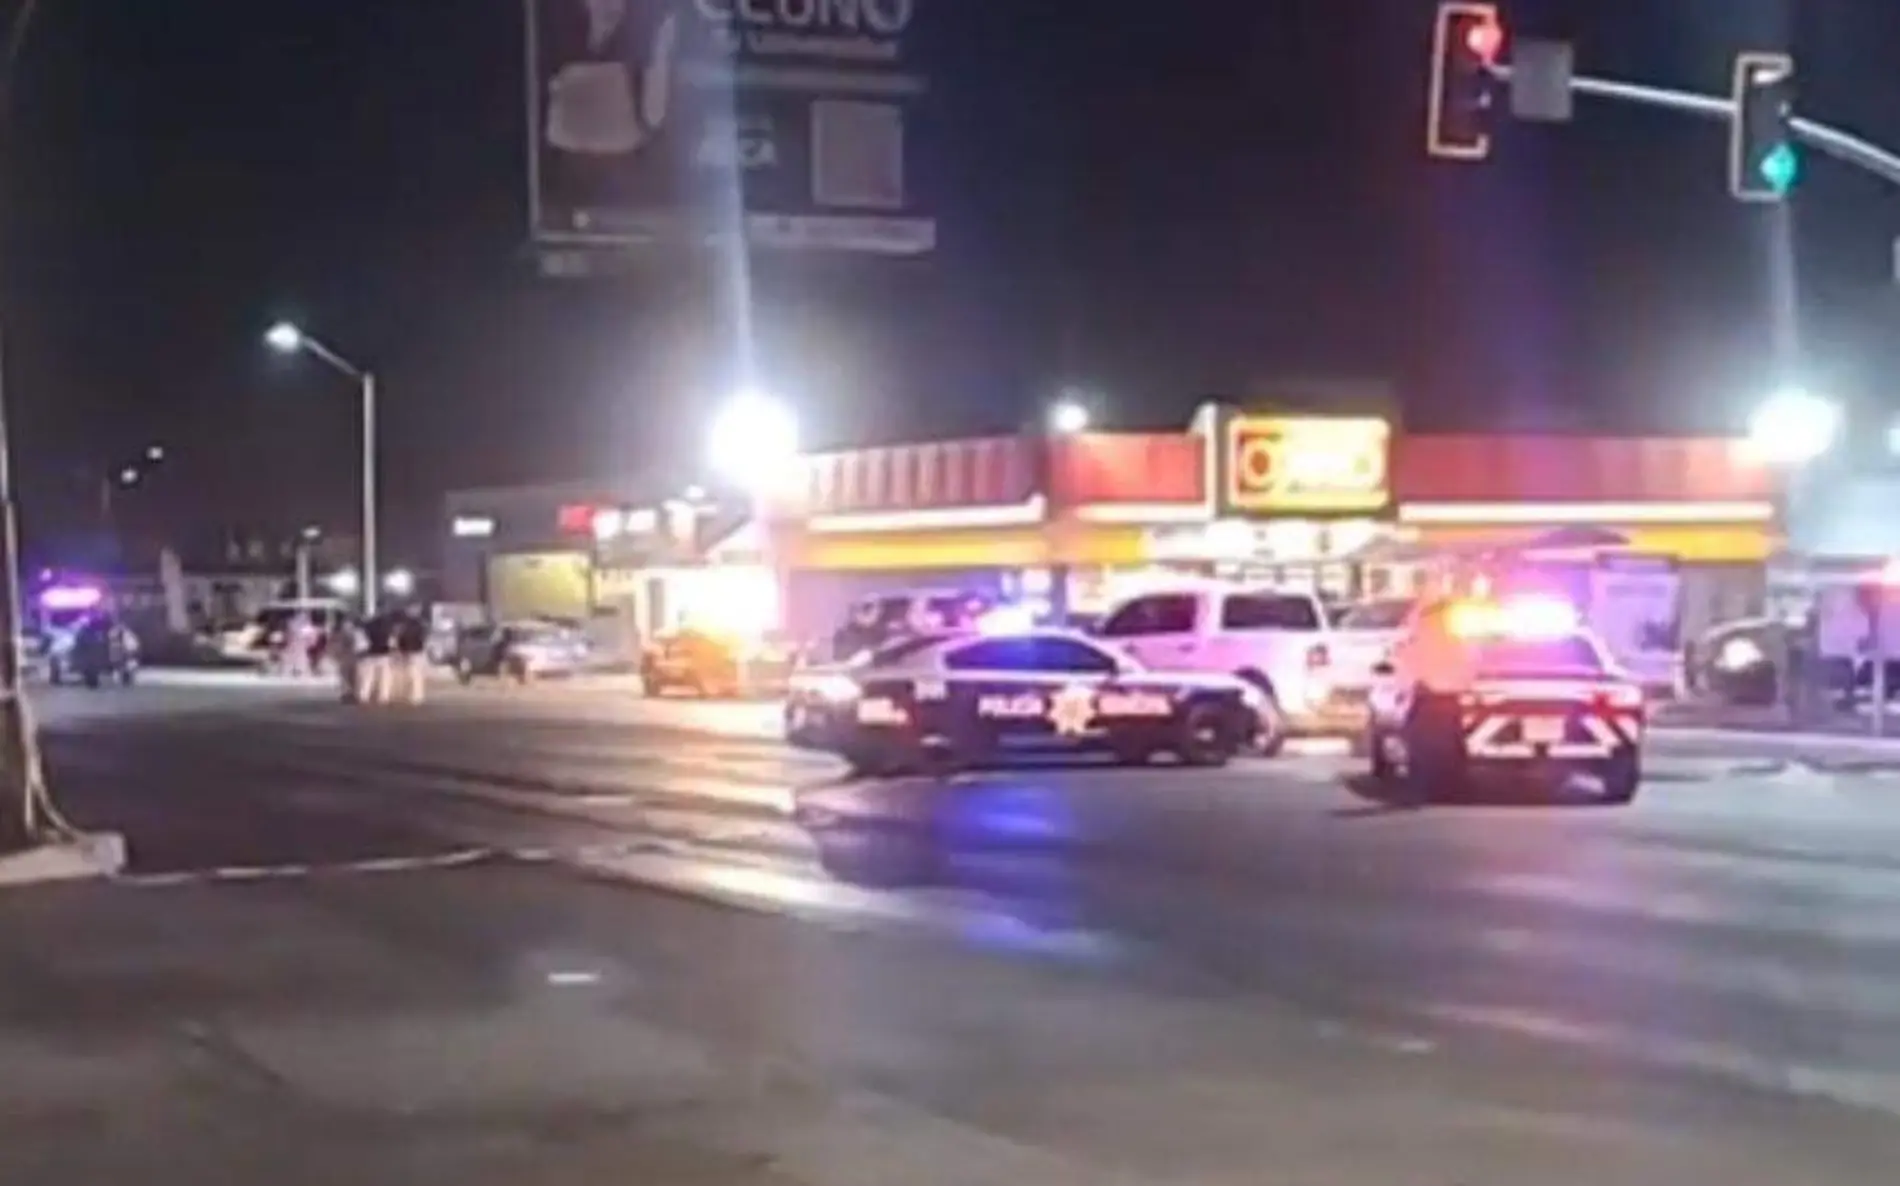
[
  {"x": 942, "y": 702},
  {"x": 98, "y": 649},
  {"x": 520, "y": 651},
  {"x": 705, "y": 663},
  {"x": 261, "y": 637}
]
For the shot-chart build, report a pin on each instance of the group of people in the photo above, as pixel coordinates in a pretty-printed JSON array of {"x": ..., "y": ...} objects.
[{"x": 382, "y": 658}]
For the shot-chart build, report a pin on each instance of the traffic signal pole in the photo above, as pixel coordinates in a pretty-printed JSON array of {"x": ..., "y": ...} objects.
[{"x": 1831, "y": 141}]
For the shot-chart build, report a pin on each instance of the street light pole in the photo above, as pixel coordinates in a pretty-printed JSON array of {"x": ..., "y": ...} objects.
[
  {"x": 369, "y": 494},
  {"x": 289, "y": 339}
]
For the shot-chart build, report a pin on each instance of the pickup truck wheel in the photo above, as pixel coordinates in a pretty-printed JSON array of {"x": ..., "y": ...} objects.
[{"x": 1273, "y": 725}]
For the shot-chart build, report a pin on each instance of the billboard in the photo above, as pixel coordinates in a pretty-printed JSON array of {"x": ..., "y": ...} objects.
[{"x": 659, "y": 122}]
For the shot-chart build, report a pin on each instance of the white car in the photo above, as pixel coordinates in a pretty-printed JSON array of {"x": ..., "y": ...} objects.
[
  {"x": 253, "y": 640},
  {"x": 1531, "y": 692},
  {"x": 1281, "y": 643}
]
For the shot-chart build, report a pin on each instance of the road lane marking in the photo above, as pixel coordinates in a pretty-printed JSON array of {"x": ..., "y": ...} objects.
[
  {"x": 1848, "y": 1085},
  {"x": 459, "y": 858},
  {"x": 819, "y": 897}
]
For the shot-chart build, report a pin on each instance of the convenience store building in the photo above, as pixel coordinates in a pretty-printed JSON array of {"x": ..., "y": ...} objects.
[{"x": 1348, "y": 506}]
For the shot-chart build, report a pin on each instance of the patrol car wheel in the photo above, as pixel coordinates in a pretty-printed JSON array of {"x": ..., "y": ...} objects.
[
  {"x": 1622, "y": 776},
  {"x": 1205, "y": 738},
  {"x": 940, "y": 760}
]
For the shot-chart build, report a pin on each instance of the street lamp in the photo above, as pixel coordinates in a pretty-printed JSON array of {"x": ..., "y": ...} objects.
[
  {"x": 400, "y": 582},
  {"x": 1794, "y": 427},
  {"x": 344, "y": 582},
  {"x": 753, "y": 441},
  {"x": 287, "y": 338},
  {"x": 1068, "y": 417}
]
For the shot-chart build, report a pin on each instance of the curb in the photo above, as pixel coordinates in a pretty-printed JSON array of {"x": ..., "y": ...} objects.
[
  {"x": 1780, "y": 739},
  {"x": 96, "y": 854}
]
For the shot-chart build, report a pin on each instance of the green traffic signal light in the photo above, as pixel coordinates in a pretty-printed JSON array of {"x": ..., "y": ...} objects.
[{"x": 1781, "y": 167}]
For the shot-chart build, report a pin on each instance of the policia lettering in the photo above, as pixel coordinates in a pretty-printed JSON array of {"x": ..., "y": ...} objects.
[{"x": 1074, "y": 710}]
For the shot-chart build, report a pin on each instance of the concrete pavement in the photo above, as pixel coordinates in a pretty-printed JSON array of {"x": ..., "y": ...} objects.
[
  {"x": 1253, "y": 975},
  {"x": 507, "y": 1025}
]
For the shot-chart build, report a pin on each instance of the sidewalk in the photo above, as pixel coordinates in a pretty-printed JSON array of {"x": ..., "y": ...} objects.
[{"x": 1773, "y": 731}]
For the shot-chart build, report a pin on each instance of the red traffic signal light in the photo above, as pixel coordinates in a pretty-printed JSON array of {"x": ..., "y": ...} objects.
[
  {"x": 1467, "y": 39},
  {"x": 1484, "y": 39}
]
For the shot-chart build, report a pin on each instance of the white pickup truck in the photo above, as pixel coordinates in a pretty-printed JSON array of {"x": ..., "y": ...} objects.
[
  {"x": 1364, "y": 634},
  {"x": 1280, "y": 642}
]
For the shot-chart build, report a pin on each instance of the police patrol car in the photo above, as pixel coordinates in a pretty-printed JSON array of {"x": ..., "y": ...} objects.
[
  {"x": 1519, "y": 687},
  {"x": 937, "y": 703}
]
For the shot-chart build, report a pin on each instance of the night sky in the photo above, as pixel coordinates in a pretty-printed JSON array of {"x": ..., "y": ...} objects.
[{"x": 1158, "y": 201}]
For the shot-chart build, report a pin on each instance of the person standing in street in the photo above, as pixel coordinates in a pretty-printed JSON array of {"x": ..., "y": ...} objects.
[
  {"x": 344, "y": 646},
  {"x": 409, "y": 643},
  {"x": 299, "y": 639},
  {"x": 376, "y": 661}
]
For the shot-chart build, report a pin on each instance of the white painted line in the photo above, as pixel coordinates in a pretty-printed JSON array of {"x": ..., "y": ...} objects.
[
  {"x": 780, "y": 891},
  {"x": 252, "y": 873},
  {"x": 1319, "y": 747},
  {"x": 1846, "y": 1085}
]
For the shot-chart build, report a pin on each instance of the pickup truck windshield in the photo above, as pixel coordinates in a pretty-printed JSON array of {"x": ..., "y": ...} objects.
[{"x": 1269, "y": 611}]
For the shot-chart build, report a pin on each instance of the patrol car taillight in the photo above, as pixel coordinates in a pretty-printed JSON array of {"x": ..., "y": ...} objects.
[{"x": 1619, "y": 699}]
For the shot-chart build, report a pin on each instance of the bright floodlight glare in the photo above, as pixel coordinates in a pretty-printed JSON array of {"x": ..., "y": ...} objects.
[
  {"x": 400, "y": 582},
  {"x": 753, "y": 438},
  {"x": 285, "y": 337},
  {"x": 1069, "y": 416},
  {"x": 1794, "y": 427},
  {"x": 344, "y": 582},
  {"x": 154, "y": 453}
]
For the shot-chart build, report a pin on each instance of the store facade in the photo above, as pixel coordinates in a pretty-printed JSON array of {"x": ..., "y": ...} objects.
[
  {"x": 1348, "y": 506},
  {"x": 588, "y": 551}
]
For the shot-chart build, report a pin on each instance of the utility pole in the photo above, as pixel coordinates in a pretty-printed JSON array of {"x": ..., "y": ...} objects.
[{"x": 23, "y": 790}]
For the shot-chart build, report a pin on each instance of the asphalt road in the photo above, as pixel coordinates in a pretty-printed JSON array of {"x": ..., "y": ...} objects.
[{"x": 422, "y": 944}]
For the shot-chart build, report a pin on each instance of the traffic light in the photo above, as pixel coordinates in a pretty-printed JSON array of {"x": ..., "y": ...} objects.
[
  {"x": 1763, "y": 161},
  {"x": 1466, "y": 42}
]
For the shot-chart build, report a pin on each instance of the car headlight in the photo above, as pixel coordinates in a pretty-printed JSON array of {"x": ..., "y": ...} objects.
[
  {"x": 1738, "y": 653},
  {"x": 836, "y": 689}
]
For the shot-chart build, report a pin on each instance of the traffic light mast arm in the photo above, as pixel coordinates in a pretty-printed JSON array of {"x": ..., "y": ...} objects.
[{"x": 1841, "y": 145}]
